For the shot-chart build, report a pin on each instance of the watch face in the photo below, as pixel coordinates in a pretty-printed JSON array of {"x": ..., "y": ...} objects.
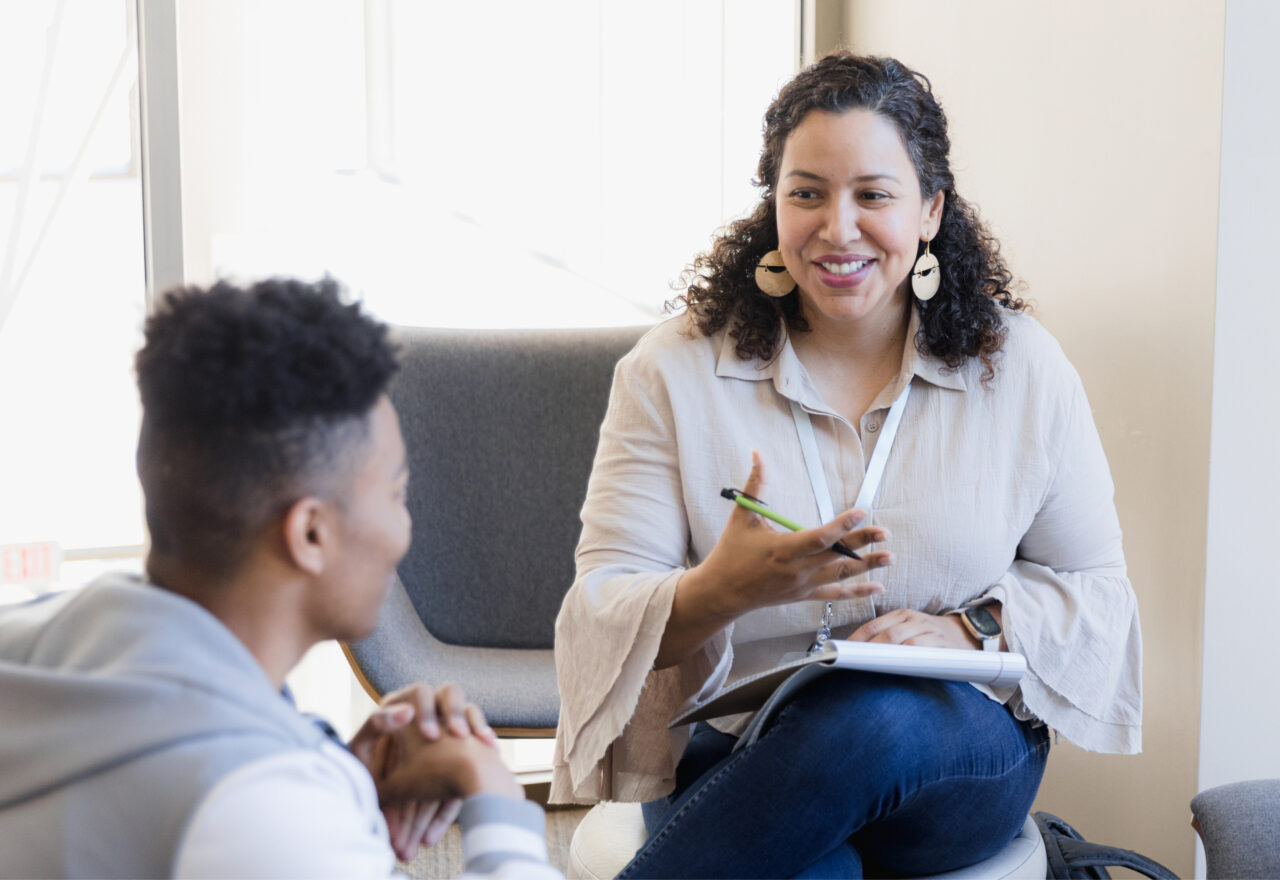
[{"x": 983, "y": 621}]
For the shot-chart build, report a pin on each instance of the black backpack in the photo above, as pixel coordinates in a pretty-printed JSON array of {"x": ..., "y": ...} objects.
[{"x": 1071, "y": 857}]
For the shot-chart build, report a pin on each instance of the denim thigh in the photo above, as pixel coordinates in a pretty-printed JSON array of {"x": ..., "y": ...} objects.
[{"x": 909, "y": 775}]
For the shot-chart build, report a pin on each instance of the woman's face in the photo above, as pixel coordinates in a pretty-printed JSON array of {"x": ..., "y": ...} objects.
[{"x": 850, "y": 215}]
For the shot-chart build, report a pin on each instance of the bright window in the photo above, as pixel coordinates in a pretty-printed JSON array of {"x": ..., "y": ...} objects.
[
  {"x": 475, "y": 164},
  {"x": 71, "y": 284}
]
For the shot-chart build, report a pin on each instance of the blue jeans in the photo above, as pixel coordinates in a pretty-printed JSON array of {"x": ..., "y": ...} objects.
[{"x": 858, "y": 774}]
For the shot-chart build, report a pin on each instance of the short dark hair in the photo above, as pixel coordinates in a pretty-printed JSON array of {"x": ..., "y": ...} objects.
[
  {"x": 251, "y": 399},
  {"x": 963, "y": 318}
]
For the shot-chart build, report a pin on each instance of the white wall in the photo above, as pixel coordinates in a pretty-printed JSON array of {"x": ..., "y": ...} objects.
[
  {"x": 1088, "y": 133},
  {"x": 1240, "y": 712}
]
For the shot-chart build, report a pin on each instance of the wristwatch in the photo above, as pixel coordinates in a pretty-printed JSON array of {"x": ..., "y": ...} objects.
[{"x": 982, "y": 625}]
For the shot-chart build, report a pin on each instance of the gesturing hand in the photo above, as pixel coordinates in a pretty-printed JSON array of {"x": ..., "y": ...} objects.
[{"x": 754, "y": 565}]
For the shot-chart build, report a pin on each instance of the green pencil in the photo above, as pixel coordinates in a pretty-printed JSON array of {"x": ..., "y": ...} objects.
[{"x": 755, "y": 505}]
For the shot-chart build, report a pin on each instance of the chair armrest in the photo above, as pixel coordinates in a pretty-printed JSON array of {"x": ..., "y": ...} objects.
[{"x": 1240, "y": 826}]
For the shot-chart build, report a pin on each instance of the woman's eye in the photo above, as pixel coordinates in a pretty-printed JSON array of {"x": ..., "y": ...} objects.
[{"x": 804, "y": 194}]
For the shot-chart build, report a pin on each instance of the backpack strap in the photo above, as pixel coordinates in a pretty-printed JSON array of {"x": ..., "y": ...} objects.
[{"x": 1071, "y": 857}]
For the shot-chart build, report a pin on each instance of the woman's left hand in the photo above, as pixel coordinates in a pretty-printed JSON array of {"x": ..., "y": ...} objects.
[{"x": 908, "y": 627}]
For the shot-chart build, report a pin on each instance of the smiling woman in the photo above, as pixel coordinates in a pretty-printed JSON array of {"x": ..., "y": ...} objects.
[
  {"x": 719, "y": 289},
  {"x": 851, "y": 216},
  {"x": 994, "y": 492}
]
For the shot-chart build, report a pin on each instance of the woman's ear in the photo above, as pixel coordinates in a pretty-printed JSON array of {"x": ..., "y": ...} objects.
[
  {"x": 307, "y": 533},
  {"x": 932, "y": 219}
]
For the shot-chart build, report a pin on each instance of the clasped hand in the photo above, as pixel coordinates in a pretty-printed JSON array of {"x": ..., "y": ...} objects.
[{"x": 424, "y": 769}]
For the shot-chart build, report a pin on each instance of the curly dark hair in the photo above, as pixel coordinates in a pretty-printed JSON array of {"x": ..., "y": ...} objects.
[
  {"x": 963, "y": 318},
  {"x": 252, "y": 398}
]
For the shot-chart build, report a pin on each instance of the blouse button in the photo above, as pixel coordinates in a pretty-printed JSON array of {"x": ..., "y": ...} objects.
[{"x": 873, "y": 426}]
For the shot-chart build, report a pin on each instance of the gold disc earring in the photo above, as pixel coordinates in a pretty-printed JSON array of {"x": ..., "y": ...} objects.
[
  {"x": 772, "y": 276},
  {"x": 926, "y": 276}
]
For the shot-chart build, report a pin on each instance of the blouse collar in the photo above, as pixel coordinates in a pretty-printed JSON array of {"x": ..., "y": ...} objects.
[{"x": 791, "y": 380}]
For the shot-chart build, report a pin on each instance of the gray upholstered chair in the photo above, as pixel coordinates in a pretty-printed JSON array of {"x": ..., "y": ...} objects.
[
  {"x": 1239, "y": 824},
  {"x": 501, "y": 430}
]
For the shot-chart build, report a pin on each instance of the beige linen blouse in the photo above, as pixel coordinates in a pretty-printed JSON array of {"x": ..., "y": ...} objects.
[{"x": 999, "y": 490}]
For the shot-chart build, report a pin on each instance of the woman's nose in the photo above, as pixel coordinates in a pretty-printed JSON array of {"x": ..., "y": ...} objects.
[{"x": 842, "y": 223}]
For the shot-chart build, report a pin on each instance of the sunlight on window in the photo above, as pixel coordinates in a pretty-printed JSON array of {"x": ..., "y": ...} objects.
[
  {"x": 506, "y": 164},
  {"x": 71, "y": 285}
]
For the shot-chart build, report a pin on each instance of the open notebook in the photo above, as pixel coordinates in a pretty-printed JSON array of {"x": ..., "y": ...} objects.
[{"x": 768, "y": 691}]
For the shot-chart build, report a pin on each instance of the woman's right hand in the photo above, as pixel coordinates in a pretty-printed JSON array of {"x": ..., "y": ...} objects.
[{"x": 754, "y": 565}]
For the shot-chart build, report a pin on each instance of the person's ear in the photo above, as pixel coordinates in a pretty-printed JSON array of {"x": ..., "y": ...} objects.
[
  {"x": 932, "y": 219},
  {"x": 307, "y": 533}
]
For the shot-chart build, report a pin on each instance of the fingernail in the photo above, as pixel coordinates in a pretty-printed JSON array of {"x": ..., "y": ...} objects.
[{"x": 398, "y": 713}]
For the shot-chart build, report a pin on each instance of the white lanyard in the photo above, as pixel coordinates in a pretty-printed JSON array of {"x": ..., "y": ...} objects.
[
  {"x": 866, "y": 494},
  {"x": 875, "y": 468}
]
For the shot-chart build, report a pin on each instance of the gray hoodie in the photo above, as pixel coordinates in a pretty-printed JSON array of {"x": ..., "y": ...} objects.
[
  {"x": 122, "y": 705},
  {"x": 140, "y": 738}
]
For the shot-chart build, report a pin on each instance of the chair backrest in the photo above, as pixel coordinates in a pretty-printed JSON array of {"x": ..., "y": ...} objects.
[{"x": 501, "y": 430}]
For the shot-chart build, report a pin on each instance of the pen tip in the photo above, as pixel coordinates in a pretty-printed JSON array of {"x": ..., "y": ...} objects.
[{"x": 727, "y": 493}]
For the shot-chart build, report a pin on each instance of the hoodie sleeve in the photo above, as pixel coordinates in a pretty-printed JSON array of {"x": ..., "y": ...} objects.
[
  {"x": 301, "y": 813},
  {"x": 504, "y": 837},
  {"x": 315, "y": 814}
]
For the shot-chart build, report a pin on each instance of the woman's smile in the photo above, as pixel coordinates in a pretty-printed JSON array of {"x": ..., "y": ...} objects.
[
  {"x": 850, "y": 214},
  {"x": 843, "y": 271}
]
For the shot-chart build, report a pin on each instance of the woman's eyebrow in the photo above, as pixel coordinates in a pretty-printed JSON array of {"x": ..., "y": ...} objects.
[{"x": 861, "y": 178}]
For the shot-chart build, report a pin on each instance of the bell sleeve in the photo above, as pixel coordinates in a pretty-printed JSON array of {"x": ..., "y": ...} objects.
[
  {"x": 1067, "y": 604},
  {"x": 612, "y": 742}
]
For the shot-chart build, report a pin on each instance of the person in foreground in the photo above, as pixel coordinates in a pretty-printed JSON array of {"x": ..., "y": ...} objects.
[
  {"x": 860, "y": 316},
  {"x": 147, "y": 730}
]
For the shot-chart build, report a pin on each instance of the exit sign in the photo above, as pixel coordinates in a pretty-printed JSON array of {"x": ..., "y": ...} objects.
[{"x": 30, "y": 565}]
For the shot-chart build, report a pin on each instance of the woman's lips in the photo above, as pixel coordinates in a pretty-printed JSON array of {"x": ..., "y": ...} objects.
[{"x": 842, "y": 271}]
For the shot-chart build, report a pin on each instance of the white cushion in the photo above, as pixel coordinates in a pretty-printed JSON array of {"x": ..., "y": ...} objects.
[
  {"x": 610, "y": 834},
  {"x": 605, "y": 840}
]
